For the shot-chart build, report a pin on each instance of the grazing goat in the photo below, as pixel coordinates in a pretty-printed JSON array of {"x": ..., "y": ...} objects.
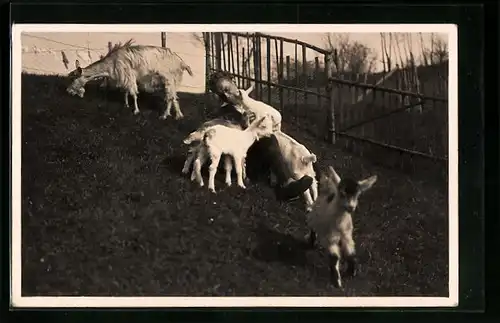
[
  {"x": 199, "y": 148},
  {"x": 299, "y": 161},
  {"x": 330, "y": 221},
  {"x": 220, "y": 140},
  {"x": 127, "y": 65}
]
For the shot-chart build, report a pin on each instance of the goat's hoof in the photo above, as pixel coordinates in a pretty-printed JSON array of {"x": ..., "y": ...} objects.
[
  {"x": 185, "y": 170},
  {"x": 337, "y": 284},
  {"x": 163, "y": 117},
  {"x": 228, "y": 184},
  {"x": 351, "y": 271},
  {"x": 211, "y": 190},
  {"x": 136, "y": 112},
  {"x": 179, "y": 117},
  {"x": 309, "y": 209},
  {"x": 242, "y": 186}
]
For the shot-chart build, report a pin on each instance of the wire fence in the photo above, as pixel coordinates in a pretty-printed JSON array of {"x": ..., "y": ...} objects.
[{"x": 55, "y": 53}]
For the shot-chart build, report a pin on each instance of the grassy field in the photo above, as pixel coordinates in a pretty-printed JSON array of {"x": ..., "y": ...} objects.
[{"x": 106, "y": 211}]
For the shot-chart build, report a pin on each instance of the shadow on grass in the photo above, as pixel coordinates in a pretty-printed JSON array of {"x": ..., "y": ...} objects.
[{"x": 274, "y": 246}]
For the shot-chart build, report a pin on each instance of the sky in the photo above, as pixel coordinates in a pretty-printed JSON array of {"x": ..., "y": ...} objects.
[{"x": 42, "y": 50}]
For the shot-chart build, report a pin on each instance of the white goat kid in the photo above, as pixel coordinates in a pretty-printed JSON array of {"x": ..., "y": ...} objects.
[
  {"x": 259, "y": 108},
  {"x": 330, "y": 221},
  {"x": 200, "y": 149},
  {"x": 127, "y": 65},
  {"x": 300, "y": 162},
  {"x": 220, "y": 140}
]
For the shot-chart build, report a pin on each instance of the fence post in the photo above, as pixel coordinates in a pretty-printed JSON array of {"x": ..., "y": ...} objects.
[
  {"x": 207, "y": 37},
  {"x": 218, "y": 49},
  {"x": 257, "y": 67},
  {"x": 163, "y": 39},
  {"x": 330, "y": 90}
]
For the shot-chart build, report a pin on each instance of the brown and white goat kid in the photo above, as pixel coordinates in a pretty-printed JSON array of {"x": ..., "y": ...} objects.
[
  {"x": 200, "y": 148},
  {"x": 330, "y": 221},
  {"x": 220, "y": 140},
  {"x": 300, "y": 162},
  {"x": 127, "y": 65}
]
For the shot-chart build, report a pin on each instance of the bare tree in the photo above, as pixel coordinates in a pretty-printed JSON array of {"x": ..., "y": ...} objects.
[
  {"x": 352, "y": 56},
  {"x": 440, "y": 50},
  {"x": 387, "y": 50},
  {"x": 437, "y": 52}
]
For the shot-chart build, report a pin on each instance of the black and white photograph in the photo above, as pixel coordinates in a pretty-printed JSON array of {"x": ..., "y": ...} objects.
[{"x": 243, "y": 165}]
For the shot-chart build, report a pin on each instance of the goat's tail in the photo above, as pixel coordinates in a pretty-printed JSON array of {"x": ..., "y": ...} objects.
[
  {"x": 187, "y": 68},
  {"x": 309, "y": 159},
  {"x": 208, "y": 135}
]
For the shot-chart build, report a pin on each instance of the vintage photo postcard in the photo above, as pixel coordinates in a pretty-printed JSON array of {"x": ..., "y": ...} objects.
[{"x": 274, "y": 165}]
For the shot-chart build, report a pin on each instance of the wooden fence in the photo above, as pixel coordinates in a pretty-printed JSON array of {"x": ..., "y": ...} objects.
[
  {"x": 405, "y": 129},
  {"x": 280, "y": 80}
]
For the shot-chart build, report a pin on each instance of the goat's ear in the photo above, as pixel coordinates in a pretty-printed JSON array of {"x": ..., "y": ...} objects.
[
  {"x": 333, "y": 175},
  {"x": 367, "y": 183},
  {"x": 250, "y": 89},
  {"x": 78, "y": 71},
  {"x": 258, "y": 123}
]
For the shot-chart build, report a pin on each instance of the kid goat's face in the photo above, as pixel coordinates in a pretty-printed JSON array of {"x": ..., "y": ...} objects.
[{"x": 335, "y": 193}]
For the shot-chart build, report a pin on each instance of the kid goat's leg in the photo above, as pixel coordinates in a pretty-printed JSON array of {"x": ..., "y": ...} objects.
[
  {"x": 238, "y": 164},
  {"x": 228, "y": 166},
  {"x": 201, "y": 158},
  {"x": 309, "y": 200},
  {"x": 311, "y": 239},
  {"x": 349, "y": 252},
  {"x": 334, "y": 260},
  {"x": 212, "y": 170},
  {"x": 188, "y": 162}
]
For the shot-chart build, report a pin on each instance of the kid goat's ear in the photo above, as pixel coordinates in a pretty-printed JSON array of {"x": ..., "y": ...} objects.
[
  {"x": 333, "y": 175},
  {"x": 250, "y": 89},
  {"x": 367, "y": 183}
]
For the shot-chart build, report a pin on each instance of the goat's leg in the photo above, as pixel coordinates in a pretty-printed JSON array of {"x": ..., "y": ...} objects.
[
  {"x": 212, "y": 170},
  {"x": 167, "y": 110},
  {"x": 134, "y": 91},
  {"x": 188, "y": 162},
  {"x": 126, "y": 100},
  {"x": 349, "y": 252},
  {"x": 196, "y": 173},
  {"x": 244, "y": 168},
  {"x": 334, "y": 260},
  {"x": 311, "y": 239},
  {"x": 309, "y": 200},
  {"x": 238, "y": 163},
  {"x": 178, "y": 112},
  {"x": 228, "y": 166},
  {"x": 314, "y": 190}
]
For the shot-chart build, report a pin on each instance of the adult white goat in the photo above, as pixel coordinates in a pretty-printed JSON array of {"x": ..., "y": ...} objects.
[
  {"x": 330, "y": 220},
  {"x": 127, "y": 65},
  {"x": 220, "y": 140},
  {"x": 299, "y": 161}
]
